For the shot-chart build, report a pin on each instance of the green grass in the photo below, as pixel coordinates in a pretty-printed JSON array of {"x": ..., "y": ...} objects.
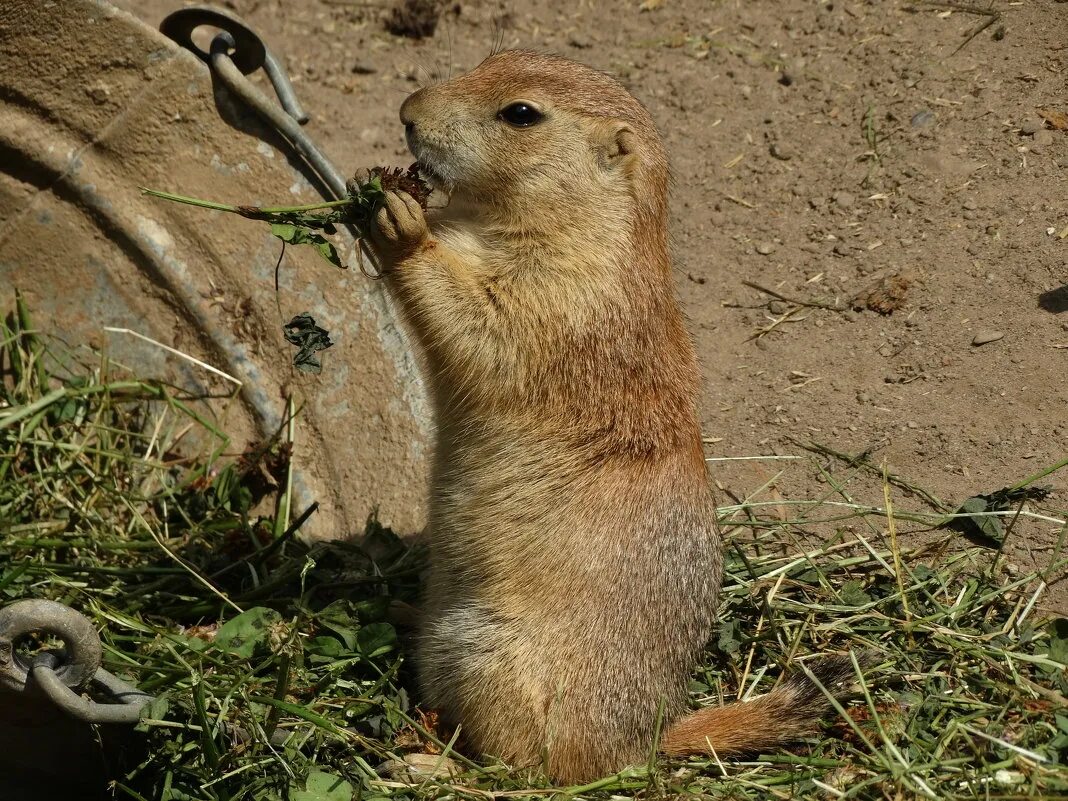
[{"x": 279, "y": 676}]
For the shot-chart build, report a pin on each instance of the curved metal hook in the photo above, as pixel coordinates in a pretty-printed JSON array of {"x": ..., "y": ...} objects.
[
  {"x": 76, "y": 664},
  {"x": 246, "y": 49},
  {"x": 235, "y": 51}
]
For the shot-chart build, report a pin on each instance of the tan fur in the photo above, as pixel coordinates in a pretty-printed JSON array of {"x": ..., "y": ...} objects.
[{"x": 575, "y": 561}]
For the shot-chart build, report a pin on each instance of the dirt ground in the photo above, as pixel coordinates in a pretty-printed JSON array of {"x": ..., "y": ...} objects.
[{"x": 821, "y": 150}]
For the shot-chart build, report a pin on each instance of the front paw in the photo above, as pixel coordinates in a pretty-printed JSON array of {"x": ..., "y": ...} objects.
[{"x": 399, "y": 228}]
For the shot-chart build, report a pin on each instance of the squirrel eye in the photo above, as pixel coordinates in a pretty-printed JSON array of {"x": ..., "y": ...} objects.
[{"x": 521, "y": 115}]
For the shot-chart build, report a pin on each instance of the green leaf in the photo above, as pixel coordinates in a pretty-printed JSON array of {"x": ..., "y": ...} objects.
[
  {"x": 325, "y": 649},
  {"x": 322, "y": 786},
  {"x": 338, "y": 619},
  {"x": 241, "y": 635},
  {"x": 853, "y": 594},
  {"x": 156, "y": 710},
  {"x": 327, "y": 251},
  {"x": 293, "y": 234},
  {"x": 1058, "y": 640},
  {"x": 287, "y": 232},
  {"x": 980, "y": 525},
  {"x": 375, "y": 639},
  {"x": 988, "y": 530},
  {"x": 729, "y": 637}
]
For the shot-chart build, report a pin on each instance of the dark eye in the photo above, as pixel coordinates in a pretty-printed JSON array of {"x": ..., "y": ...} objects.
[{"x": 521, "y": 115}]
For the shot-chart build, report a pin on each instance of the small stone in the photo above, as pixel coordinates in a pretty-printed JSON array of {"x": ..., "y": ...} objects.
[
  {"x": 863, "y": 397},
  {"x": 971, "y": 203},
  {"x": 987, "y": 336},
  {"x": 843, "y": 200},
  {"x": 1030, "y": 127},
  {"x": 778, "y": 152},
  {"x": 1063, "y": 162},
  {"x": 923, "y": 118},
  {"x": 765, "y": 248},
  {"x": 1043, "y": 138},
  {"x": 746, "y": 91},
  {"x": 842, "y": 249},
  {"x": 778, "y": 307},
  {"x": 912, "y": 424},
  {"x": 970, "y": 214},
  {"x": 98, "y": 94}
]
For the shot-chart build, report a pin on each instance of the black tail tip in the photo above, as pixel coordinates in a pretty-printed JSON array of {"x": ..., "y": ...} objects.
[{"x": 837, "y": 674}]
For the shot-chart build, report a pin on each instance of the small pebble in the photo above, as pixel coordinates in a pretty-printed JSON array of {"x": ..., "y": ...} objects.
[
  {"x": 1043, "y": 138},
  {"x": 1029, "y": 127},
  {"x": 970, "y": 214},
  {"x": 765, "y": 248},
  {"x": 923, "y": 118},
  {"x": 778, "y": 152},
  {"x": 1063, "y": 162},
  {"x": 986, "y": 336},
  {"x": 971, "y": 203},
  {"x": 843, "y": 200},
  {"x": 778, "y": 307}
]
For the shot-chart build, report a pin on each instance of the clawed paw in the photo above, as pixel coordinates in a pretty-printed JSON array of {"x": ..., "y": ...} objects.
[{"x": 399, "y": 227}]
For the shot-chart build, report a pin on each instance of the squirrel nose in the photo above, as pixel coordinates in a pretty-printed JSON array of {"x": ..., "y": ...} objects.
[{"x": 408, "y": 111}]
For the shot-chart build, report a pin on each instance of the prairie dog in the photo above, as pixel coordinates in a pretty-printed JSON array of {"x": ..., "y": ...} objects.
[{"x": 575, "y": 561}]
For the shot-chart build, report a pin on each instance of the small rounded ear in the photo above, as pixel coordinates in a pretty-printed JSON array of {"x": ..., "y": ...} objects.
[{"x": 617, "y": 146}]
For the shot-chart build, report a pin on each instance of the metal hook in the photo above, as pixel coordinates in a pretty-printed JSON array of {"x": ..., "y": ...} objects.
[
  {"x": 76, "y": 665},
  {"x": 235, "y": 52},
  {"x": 247, "y": 50},
  {"x": 55, "y": 673}
]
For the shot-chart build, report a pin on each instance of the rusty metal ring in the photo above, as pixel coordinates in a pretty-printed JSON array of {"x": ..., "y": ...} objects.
[
  {"x": 249, "y": 52},
  {"x": 79, "y": 660}
]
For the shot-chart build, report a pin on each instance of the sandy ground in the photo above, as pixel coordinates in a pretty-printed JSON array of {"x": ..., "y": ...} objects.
[{"x": 821, "y": 150}]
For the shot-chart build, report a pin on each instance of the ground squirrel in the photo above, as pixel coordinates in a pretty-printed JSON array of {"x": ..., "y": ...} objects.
[{"x": 574, "y": 556}]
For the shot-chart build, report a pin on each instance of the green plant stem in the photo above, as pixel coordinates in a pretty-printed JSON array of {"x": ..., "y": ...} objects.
[{"x": 244, "y": 211}]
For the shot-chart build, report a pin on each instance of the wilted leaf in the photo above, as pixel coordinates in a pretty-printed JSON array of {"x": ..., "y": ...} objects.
[
  {"x": 310, "y": 338},
  {"x": 979, "y": 524},
  {"x": 988, "y": 529}
]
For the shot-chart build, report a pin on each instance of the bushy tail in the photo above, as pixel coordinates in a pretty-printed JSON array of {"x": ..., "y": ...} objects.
[{"x": 790, "y": 711}]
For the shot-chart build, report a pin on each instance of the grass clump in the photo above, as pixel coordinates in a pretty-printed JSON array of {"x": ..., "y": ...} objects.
[{"x": 279, "y": 676}]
